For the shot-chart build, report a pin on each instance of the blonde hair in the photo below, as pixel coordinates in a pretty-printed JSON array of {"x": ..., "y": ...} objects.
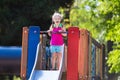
[{"x": 57, "y": 14}]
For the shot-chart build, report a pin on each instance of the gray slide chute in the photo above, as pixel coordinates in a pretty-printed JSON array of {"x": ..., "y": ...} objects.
[{"x": 46, "y": 74}]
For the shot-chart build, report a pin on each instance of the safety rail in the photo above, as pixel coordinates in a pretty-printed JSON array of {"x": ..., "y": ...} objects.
[{"x": 83, "y": 51}]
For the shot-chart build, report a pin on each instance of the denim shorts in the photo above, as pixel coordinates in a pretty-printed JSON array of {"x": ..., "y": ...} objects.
[{"x": 55, "y": 49}]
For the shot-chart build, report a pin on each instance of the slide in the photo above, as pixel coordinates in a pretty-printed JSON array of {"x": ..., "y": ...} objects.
[{"x": 46, "y": 74}]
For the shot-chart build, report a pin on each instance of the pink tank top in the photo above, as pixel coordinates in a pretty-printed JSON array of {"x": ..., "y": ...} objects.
[{"x": 56, "y": 38}]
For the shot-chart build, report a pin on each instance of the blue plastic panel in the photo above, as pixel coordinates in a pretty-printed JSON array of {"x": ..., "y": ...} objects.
[{"x": 33, "y": 40}]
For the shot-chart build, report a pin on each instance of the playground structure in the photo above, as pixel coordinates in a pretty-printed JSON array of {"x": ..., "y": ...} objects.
[
  {"x": 83, "y": 52},
  {"x": 83, "y": 60}
]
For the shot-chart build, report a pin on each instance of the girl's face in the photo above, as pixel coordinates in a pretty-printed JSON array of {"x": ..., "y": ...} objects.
[{"x": 57, "y": 19}]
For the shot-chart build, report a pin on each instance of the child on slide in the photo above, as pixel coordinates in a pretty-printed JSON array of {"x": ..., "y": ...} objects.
[{"x": 56, "y": 42}]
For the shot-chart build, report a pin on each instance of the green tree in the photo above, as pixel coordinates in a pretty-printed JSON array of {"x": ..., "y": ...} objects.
[
  {"x": 85, "y": 14},
  {"x": 101, "y": 18},
  {"x": 113, "y": 34}
]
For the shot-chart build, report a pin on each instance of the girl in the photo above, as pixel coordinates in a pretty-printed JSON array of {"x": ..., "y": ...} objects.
[{"x": 56, "y": 42}]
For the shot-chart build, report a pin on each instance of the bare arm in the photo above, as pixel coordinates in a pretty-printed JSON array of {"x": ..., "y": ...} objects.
[
  {"x": 64, "y": 30},
  {"x": 50, "y": 30}
]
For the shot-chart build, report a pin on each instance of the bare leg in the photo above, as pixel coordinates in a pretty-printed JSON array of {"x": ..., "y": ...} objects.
[
  {"x": 59, "y": 56},
  {"x": 53, "y": 60}
]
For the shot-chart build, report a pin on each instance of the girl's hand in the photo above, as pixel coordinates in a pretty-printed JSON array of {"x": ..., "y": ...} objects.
[
  {"x": 60, "y": 31},
  {"x": 49, "y": 32}
]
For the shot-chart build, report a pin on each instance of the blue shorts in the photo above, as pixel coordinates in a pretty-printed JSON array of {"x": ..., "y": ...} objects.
[{"x": 55, "y": 49}]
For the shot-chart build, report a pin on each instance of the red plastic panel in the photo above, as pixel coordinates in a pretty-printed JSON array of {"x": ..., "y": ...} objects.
[{"x": 72, "y": 55}]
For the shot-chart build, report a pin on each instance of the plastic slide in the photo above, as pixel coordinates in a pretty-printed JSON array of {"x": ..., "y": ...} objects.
[{"x": 46, "y": 74}]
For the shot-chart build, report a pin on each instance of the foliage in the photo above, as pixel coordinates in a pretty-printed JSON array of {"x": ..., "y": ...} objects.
[
  {"x": 102, "y": 19},
  {"x": 114, "y": 61},
  {"x": 85, "y": 15},
  {"x": 112, "y": 16}
]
